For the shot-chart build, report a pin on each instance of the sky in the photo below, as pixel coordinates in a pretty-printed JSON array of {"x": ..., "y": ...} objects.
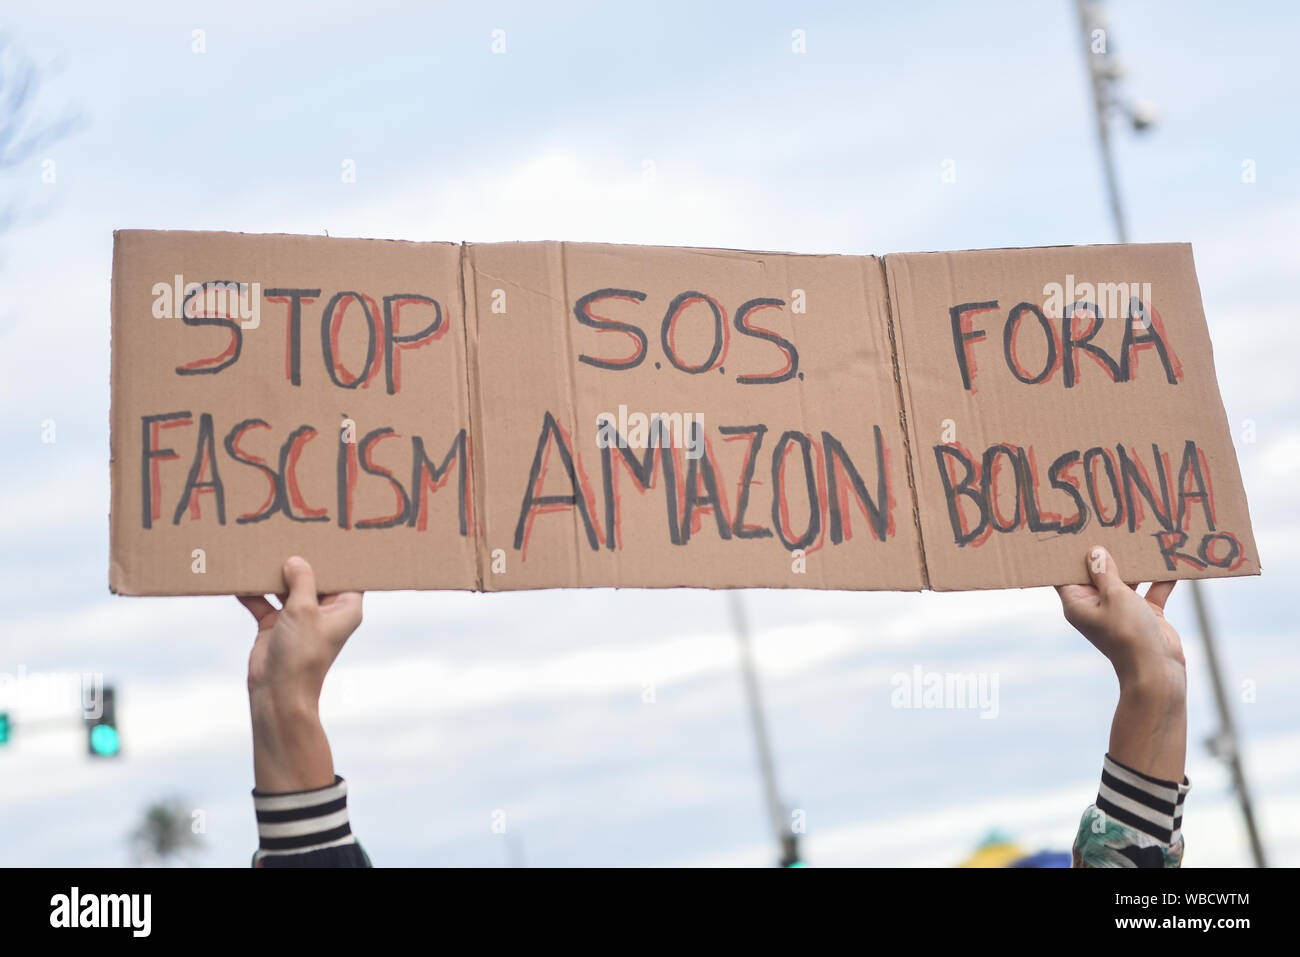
[{"x": 489, "y": 730}]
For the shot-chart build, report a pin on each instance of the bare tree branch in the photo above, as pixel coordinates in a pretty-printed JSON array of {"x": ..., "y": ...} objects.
[{"x": 22, "y": 133}]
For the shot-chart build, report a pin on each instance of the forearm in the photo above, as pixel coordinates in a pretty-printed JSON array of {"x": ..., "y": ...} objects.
[
  {"x": 301, "y": 805},
  {"x": 290, "y": 750},
  {"x": 1149, "y": 730},
  {"x": 1137, "y": 818}
]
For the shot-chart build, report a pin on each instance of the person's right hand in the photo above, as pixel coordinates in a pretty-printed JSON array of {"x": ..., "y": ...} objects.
[
  {"x": 297, "y": 643},
  {"x": 293, "y": 651}
]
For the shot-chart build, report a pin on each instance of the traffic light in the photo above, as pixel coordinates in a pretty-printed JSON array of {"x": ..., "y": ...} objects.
[
  {"x": 102, "y": 738},
  {"x": 6, "y": 727}
]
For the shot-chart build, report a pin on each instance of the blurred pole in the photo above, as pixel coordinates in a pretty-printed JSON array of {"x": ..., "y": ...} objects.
[
  {"x": 1104, "y": 75},
  {"x": 515, "y": 851},
  {"x": 1224, "y": 744},
  {"x": 1101, "y": 80},
  {"x": 766, "y": 766}
]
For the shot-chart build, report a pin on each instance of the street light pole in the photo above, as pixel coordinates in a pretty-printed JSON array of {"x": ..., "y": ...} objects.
[
  {"x": 766, "y": 765},
  {"x": 1224, "y": 744},
  {"x": 1104, "y": 76},
  {"x": 1101, "y": 80}
]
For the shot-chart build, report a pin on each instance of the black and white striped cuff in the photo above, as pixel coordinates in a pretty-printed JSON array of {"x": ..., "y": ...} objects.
[
  {"x": 1147, "y": 804},
  {"x": 303, "y": 821}
]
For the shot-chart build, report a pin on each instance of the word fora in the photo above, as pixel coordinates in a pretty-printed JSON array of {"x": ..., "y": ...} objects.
[
  {"x": 1063, "y": 346},
  {"x": 982, "y": 484},
  {"x": 384, "y": 340}
]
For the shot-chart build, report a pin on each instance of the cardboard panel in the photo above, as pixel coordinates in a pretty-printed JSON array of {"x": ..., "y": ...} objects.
[
  {"x": 532, "y": 415},
  {"x": 783, "y": 465},
  {"x": 248, "y": 425},
  {"x": 1034, "y": 436}
]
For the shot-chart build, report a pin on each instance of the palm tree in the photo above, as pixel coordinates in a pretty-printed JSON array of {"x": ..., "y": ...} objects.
[{"x": 165, "y": 836}]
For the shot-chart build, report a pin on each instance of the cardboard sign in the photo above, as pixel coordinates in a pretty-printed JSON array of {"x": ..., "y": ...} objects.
[
  {"x": 1062, "y": 397},
  {"x": 538, "y": 415},
  {"x": 306, "y": 395}
]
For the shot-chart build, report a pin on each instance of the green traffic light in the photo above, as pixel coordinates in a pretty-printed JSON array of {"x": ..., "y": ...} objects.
[
  {"x": 104, "y": 740},
  {"x": 4, "y": 728}
]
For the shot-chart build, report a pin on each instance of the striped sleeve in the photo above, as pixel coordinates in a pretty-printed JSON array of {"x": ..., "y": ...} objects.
[
  {"x": 306, "y": 829},
  {"x": 1136, "y": 822}
]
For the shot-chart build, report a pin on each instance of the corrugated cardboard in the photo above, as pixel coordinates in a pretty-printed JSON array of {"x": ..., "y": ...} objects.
[
  {"x": 785, "y": 402},
  {"x": 158, "y": 552},
  {"x": 1049, "y": 449},
  {"x": 483, "y": 416}
]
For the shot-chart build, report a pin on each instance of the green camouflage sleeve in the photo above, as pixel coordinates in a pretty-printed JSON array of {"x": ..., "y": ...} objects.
[{"x": 1136, "y": 821}]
